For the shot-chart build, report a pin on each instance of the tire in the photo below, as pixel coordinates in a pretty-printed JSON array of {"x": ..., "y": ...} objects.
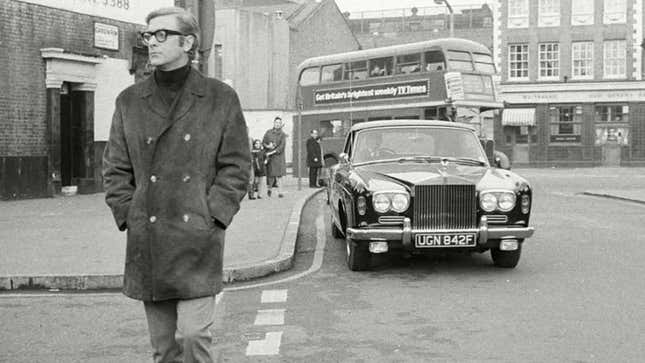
[
  {"x": 335, "y": 232},
  {"x": 358, "y": 255},
  {"x": 506, "y": 259}
]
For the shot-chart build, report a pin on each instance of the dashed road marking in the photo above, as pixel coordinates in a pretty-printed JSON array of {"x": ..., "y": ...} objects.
[
  {"x": 270, "y": 345},
  {"x": 270, "y": 317},
  {"x": 273, "y": 296}
]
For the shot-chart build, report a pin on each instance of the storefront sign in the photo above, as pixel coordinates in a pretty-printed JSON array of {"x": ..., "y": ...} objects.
[
  {"x": 132, "y": 11},
  {"x": 106, "y": 36},
  {"x": 565, "y": 138},
  {"x": 575, "y": 96},
  {"x": 372, "y": 92}
]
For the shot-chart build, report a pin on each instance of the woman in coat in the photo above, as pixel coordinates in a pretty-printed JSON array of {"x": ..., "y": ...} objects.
[{"x": 274, "y": 142}]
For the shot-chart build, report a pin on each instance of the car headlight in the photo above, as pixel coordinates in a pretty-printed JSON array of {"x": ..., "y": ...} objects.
[
  {"x": 400, "y": 202},
  {"x": 506, "y": 201},
  {"x": 381, "y": 203},
  {"x": 488, "y": 202}
]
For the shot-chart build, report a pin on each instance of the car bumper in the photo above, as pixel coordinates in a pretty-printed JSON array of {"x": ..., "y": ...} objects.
[{"x": 405, "y": 234}]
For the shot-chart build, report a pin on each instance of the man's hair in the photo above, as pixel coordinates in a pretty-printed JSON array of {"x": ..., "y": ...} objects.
[
  {"x": 186, "y": 21},
  {"x": 277, "y": 118}
]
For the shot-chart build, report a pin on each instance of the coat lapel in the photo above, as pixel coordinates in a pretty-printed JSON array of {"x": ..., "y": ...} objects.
[{"x": 193, "y": 88}]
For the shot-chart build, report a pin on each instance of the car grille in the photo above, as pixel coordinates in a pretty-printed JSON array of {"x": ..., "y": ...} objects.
[{"x": 444, "y": 207}]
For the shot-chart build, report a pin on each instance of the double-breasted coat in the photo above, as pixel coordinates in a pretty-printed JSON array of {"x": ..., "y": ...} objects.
[
  {"x": 174, "y": 180},
  {"x": 276, "y": 165},
  {"x": 314, "y": 153}
]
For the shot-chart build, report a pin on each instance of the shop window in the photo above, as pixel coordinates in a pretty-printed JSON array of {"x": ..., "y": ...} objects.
[
  {"x": 331, "y": 73},
  {"x": 434, "y": 61},
  {"x": 309, "y": 76},
  {"x": 381, "y": 67},
  {"x": 409, "y": 63},
  {"x": 356, "y": 70},
  {"x": 566, "y": 123},
  {"x": 334, "y": 128},
  {"x": 612, "y": 113},
  {"x": 518, "y": 62}
]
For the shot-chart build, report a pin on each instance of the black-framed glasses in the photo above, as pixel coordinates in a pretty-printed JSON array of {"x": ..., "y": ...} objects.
[{"x": 161, "y": 35}]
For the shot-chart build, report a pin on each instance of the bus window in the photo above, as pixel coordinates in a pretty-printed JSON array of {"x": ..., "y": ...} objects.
[
  {"x": 434, "y": 61},
  {"x": 381, "y": 67},
  {"x": 356, "y": 70},
  {"x": 309, "y": 76},
  {"x": 331, "y": 73},
  {"x": 460, "y": 61},
  {"x": 334, "y": 128},
  {"x": 484, "y": 63},
  {"x": 409, "y": 63}
]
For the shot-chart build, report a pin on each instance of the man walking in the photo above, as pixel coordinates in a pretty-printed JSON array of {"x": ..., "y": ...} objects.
[
  {"x": 274, "y": 142},
  {"x": 175, "y": 168},
  {"x": 314, "y": 158}
]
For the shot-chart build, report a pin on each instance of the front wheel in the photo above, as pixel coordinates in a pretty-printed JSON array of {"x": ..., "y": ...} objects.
[
  {"x": 358, "y": 255},
  {"x": 506, "y": 259}
]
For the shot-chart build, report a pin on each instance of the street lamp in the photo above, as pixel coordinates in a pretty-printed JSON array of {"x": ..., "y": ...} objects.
[{"x": 452, "y": 15}]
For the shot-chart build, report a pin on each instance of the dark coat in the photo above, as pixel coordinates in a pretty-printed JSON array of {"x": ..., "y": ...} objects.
[
  {"x": 259, "y": 169},
  {"x": 175, "y": 180},
  {"x": 277, "y": 165},
  {"x": 314, "y": 153}
]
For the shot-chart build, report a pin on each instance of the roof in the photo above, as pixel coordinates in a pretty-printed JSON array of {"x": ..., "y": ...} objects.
[
  {"x": 453, "y": 43},
  {"x": 387, "y": 123},
  {"x": 293, "y": 12}
]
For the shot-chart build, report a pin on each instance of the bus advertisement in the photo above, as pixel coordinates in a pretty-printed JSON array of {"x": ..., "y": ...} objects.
[{"x": 442, "y": 79}]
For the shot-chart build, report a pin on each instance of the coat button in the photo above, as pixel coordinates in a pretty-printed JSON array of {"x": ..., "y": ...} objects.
[
  {"x": 187, "y": 137},
  {"x": 186, "y": 217},
  {"x": 186, "y": 178},
  {"x": 149, "y": 140},
  {"x": 153, "y": 178},
  {"x": 153, "y": 219}
]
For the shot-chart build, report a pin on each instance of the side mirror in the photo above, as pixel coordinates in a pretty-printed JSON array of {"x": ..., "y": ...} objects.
[
  {"x": 344, "y": 158},
  {"x": 502, "y": 161}
]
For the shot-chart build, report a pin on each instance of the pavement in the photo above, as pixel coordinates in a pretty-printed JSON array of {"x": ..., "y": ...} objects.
[{"x": 71, "y": 243}]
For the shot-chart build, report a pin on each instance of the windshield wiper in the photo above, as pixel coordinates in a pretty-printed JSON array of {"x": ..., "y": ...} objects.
[
  {"x": 467, "y": 161},
  {"x": 421, "y": 158}
]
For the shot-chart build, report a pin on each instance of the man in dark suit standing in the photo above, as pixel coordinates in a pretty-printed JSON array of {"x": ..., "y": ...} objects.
[{"x": 314, "y": 158}]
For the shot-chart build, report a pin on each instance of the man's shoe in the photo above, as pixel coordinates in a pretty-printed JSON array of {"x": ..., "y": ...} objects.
[
  {"x": 280, "y": 195},
  {"x": 269, "y": 193}
]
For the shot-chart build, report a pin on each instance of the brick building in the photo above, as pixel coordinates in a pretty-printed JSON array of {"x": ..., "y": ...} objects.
[
  {"x": 382, "y": 28},
  {"x": 572, "y": 77}
]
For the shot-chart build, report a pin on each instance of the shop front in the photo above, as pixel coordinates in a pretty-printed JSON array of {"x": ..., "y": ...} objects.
[{"x": 599, "y": 124}]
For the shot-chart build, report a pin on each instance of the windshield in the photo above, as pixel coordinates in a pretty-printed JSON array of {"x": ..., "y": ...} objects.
[{"x": 425, "y": 143}]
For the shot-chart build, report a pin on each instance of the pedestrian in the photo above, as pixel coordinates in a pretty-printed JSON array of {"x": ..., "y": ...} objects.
[
  {"x": 274, "y": 141},
  {"x": 175, "y": 169},
  {"x": 314, "y": 158},
  {"x": 259, "y": 169}
]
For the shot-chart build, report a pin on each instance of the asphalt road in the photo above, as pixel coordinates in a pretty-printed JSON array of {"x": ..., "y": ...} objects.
[{"x": 578, "y": 295}]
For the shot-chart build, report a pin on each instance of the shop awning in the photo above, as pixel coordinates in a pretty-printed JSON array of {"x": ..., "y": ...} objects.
[{"x": 518, "y": 117}]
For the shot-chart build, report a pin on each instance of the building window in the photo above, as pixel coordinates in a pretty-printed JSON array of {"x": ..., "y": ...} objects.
[
  {"x": 582, "y": 12},
  {"x": 549, "y": 13},
  {"x": 615, "y": 11},
  {"x": 582, "y": 60},
  {"x": 518, "y": 62},
  {"x": 518, "y": 14},
  {"x": 549, "y": 65},
  {"x": 612, "y": 113},
  {"x": 614, "y": 59},
  {"x": 566, "y": 123}
]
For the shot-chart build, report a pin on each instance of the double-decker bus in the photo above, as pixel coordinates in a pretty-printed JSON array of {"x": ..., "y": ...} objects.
[{"x": 442, "y": 79}]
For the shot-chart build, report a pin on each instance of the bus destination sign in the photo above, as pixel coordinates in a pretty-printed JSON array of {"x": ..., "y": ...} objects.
[{"x": 388, "y": 91}]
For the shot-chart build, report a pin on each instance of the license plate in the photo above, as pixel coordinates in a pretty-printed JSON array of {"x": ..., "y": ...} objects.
[{"x": 430, "y": 240}]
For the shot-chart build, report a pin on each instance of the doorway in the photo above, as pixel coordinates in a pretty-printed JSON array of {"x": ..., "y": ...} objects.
[
  {"x": 71, "y": 158},
  {"x": 520, "y": 139}
]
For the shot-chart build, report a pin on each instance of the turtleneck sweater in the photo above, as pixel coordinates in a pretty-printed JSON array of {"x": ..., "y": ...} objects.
[{"x": 171, "y": 82}]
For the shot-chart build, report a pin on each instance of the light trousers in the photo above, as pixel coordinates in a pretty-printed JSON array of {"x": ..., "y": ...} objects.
[{"x": 180, "y": 330}]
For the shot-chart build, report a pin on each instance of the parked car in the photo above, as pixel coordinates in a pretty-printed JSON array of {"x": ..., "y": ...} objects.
[{"x": 420, "y": 186}]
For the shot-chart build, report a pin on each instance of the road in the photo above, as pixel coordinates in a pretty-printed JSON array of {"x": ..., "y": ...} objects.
[{"x": 578, "y": 295}]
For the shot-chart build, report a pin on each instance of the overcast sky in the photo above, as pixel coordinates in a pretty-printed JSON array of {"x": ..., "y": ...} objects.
[{"x": 361, "y": 5}]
